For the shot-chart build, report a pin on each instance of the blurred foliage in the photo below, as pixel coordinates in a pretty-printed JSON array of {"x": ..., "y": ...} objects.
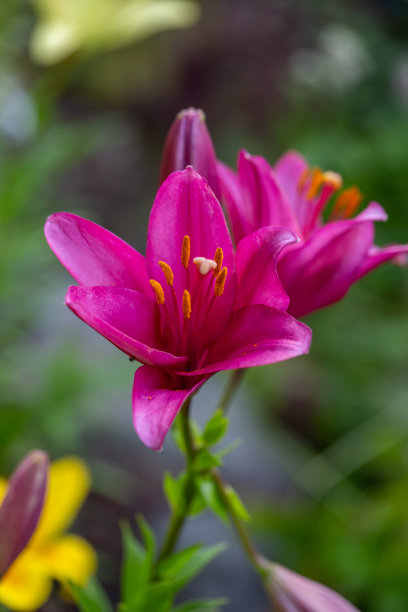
[{"x": 327, "y": 78}]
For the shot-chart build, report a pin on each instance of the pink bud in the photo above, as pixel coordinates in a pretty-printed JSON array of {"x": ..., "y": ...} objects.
[
  {"x": 22, "y": 506},
  {"x": 293, "y": 593},
  {"x": 188, "y": 143}
]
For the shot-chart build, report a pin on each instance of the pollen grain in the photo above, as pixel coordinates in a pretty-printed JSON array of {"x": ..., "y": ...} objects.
[{"x": 185, "y": 251}]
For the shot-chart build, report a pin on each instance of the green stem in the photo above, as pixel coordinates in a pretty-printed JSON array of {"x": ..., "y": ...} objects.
[
  {"x": 178, "y": 516},
  {"x": 230, "y": 389},
  {"x": 256, "y": 559}
]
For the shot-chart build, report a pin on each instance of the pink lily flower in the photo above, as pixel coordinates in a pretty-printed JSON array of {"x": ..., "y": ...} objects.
[
  {"x": 294, "y": 593},
  {"x": 330, "y": 256},
  {"x": 190, "y": 308},
  {"x": 21, "y": 506}
]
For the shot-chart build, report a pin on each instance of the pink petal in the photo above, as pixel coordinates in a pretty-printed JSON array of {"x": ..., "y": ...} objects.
[
  {"x": 295, "y": 593},
  {"x": 126, "y": 318},
  {"x": 239, "y": 214},
  {"x": 377, "y": 256},
  {"x": 320, "y": 270},
  {"x": 289, "y": 169},
  {"x": 263, "y": 194},
  {"x": 185, "y": 205},
  {"x": 22, "y": 506},
  {"x": 93, "y": 255},
  {"x": 257, "y": 335},
  {"x": 188, "y": 143},
  {"x": 256, "y": 259},
  {"x": 156, "y": 402}
]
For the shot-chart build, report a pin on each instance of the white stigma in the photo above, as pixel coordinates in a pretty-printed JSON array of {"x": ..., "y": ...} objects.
[{"x": 204, "y": 265}]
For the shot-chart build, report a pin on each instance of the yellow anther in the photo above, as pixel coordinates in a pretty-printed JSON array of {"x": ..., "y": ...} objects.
[
  {"x": 302, "y": 179},
  {"x": 186, "y": 304},
  {"x": 220, "y": 282},
  {"x": 185, "y": 251},
  {"x": 333, "y": 179},
  {"x": 218, "y": 257},
  {"x": 347, "y": 202},
  {"x": 158, "y": 289},
  {"x": 315, "y": 183},
  {"x": 168, "y": 273}
]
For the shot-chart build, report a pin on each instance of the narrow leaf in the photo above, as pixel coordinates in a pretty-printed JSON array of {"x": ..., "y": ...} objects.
[
  {"x": 215, "y": 428},
  {"x": 201, "y": 605},
  {"x": 92, "y": 597},
  {"x": 135, "y": 570}
]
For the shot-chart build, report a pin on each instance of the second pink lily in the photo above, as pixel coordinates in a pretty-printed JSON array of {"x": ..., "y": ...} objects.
[{"x": 191, "y": 307}]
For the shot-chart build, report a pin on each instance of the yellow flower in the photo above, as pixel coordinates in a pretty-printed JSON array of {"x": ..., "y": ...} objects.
[
  {"x": 51, "y": 554},
  {"x": 68, "y": 26}
]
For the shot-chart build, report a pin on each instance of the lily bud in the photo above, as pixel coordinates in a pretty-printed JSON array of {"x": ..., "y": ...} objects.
[
  {"x": 291, "y": 592},
  {"x": 189, "y": 143},
  {"x": 21, "y": 507}
]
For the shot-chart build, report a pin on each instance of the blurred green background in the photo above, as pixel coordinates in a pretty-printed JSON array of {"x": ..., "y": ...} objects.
[{"x": 323, "y": 460}]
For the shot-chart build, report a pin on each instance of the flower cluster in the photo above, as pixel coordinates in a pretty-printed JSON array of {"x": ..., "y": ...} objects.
[{"x": 203, "y": 299}]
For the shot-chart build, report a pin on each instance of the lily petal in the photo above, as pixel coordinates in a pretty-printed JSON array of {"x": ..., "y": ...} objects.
[
  {"x": 295, "y": 593},
  {"x": 126, "y": 318},
  {"x": 93, "y": 255},
  {"x": 185, "y": 205},
  {"x": 25, "y": 587},
  {"x": 256, "y": 260},
  {"x": 67, "y": 558},
  {"x": 156, "y": 402},
  {"x": 320, "y": 271},
  {"x": 22, "y": 507},
  {"x": 189, "y": 143},
  {"x": 377, "y": 256},
  {"x": 239, "y": 214},
  {"x": 257, "y": 335},
  {"x": 263, "y": 193},
  {"x": 289, "y": 168},
  {"x": 69, "y": 484}
]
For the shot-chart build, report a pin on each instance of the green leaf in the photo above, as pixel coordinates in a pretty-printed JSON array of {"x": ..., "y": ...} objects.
[
  {"x": 204, "y": 461},
  {"x": 92, "y": 597},
  {"x": 173, "y": 492},
  {"x": 149, "y": 541},
  {"x": 215, "y": 428},
  {"x": 157, "y": 597},
  {"x": 135, "y": 567},
  {"x": 237, "y": 504},
  {"x": 197, "y": 561},
  {"x": 172, "y": 565},
  {"x": 212, "y": 498},
  {"x": 200, "y": 605},
  {"x": 228, "y": 449}
]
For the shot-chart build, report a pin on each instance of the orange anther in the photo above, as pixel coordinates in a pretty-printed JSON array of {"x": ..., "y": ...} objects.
[
  {"x": 315, "y": 183},
  {"x": 218, "y": 257},
  {"x": 220, "y": 282},
  {"x": 302, "y": 179},
  {"x": 185, "y": 251},
  {"x": 168, "y": 273},
  {"x": 158, "y": 290},
  {"x": 186, "y": 304},
  {"x": 347, "y": 202}
]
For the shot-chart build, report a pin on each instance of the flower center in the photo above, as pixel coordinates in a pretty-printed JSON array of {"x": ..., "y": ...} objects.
[{"x": 183, "y": 317}]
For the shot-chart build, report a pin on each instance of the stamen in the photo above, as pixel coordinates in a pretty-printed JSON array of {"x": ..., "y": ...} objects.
[
  {"x": 220, "y": 282},
  {"x": 158, "y": 289},
  {"x": 347, "y": 202},
  {"x": 317, "y": 180},
  {"x": 218, "y": 257},
  {"x": 302, "y": 179},
  {"x": 185, "y": 251},
  {"x": 186, "y": 304},
  {"x": 168, "y": 273},
  {"x": 204, "y": 265},
  {"x": 333, "y": 179}
]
